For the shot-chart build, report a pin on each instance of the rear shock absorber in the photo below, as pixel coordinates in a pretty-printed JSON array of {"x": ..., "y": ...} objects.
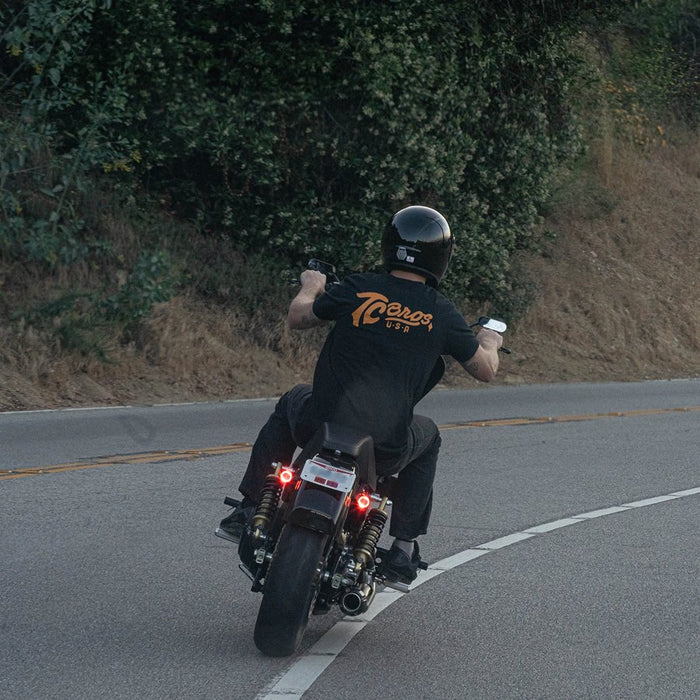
[
  {"x": 269, "y": 498},
  {"x": 366, "y": 547}
]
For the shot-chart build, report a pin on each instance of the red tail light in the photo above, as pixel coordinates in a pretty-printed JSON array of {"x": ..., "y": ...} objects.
[{"x": 362, "y": 501}]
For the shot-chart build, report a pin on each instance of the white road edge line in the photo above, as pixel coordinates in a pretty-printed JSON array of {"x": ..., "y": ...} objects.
[
  {"x": 305, "y": 671},
  {"x": 73, "y": 409}
]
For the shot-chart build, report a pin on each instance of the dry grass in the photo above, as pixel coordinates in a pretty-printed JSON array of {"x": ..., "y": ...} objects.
[
  {"x": 618, "y": 300},
  {"x": 619, "y": 293}
]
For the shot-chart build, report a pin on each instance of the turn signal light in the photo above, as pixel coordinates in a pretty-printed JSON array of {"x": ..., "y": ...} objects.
[
  {"x": 286, "y": 475},
  {"x": 363, "y": 501}
]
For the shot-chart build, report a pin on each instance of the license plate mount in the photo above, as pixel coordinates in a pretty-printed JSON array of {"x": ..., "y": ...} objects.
[{"x": 321, "y": 473}]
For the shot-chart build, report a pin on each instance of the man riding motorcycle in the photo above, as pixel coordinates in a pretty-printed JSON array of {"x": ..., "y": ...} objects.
[{"x": 382, "y": 356}]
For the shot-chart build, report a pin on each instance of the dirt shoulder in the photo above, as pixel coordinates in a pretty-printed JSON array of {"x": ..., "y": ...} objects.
[{"x": 617, "y": 300}]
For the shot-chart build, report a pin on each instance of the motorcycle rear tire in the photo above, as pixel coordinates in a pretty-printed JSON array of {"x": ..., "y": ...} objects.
[{"x": 291, "y": 586}]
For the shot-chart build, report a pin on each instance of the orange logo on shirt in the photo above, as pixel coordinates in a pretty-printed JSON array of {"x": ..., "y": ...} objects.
[{"x": 378, "y": 308}]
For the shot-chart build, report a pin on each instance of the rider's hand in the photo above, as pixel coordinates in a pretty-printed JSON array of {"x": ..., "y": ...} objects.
[
  {"x": 313, "y": 281},
  {"x": 489, "y": 339}
]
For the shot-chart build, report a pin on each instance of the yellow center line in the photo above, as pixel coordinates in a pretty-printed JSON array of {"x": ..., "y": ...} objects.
[
  {"x": 186, "y": 455},
  {"x": 136, "y": 458},
  {"x": 565, "y": 419}
]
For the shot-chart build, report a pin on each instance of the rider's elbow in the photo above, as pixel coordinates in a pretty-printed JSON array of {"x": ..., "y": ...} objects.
[
  {"x": 487, "y": 374},
  {"x": 483, "y": 365},
  {"x": 301, "y": 316}
]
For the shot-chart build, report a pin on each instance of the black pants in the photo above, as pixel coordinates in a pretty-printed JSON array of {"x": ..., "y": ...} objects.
[{"x": 291, "y": 425}]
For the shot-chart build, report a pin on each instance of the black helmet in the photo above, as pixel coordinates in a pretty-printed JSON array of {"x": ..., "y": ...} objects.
[{"x": 418, "y": 239}]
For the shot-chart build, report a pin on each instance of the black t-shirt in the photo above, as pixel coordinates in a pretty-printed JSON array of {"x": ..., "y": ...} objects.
[{"x": 377, "y": 361}]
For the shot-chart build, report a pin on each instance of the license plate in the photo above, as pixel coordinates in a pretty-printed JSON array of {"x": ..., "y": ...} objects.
[{"x": 324, "y": 474}]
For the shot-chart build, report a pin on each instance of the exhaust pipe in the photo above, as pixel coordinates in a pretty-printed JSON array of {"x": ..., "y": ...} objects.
[{"x": 357, "y": 600}]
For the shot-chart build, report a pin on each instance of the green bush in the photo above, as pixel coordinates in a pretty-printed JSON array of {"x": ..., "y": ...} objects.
[
  {"x": 66, "y": 138},
  {"x": 662, "y": 60},
  {"x": 151, "y": 281},
  {"x": 291, "y": 128}
]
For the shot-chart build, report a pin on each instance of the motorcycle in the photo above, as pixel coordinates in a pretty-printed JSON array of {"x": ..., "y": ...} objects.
[{"x": 313, "y": 541}]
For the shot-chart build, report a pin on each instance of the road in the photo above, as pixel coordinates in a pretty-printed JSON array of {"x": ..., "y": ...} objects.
[{"x": 114, "y": 586}]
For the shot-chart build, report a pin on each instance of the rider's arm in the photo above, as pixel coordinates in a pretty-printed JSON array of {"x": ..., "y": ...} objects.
[
  {"x": 483, "y": 364},
  {"x": 301, "y": 314}
]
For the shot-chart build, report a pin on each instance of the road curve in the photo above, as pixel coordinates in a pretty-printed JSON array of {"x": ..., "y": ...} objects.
[{"x": 114, "y": 584}]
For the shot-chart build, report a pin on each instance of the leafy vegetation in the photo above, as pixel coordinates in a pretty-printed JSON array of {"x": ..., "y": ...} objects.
[{"x": 137, "y": 139}]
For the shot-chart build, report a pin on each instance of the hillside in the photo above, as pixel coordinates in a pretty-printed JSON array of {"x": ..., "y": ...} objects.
[{"x": 617, "y": 299}]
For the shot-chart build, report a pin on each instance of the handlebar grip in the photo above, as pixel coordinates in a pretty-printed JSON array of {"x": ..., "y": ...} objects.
[{"x": 326, "y": 268}]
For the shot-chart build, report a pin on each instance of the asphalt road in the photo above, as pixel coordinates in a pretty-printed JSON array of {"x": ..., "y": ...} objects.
[{"x": 114, "y": 585}]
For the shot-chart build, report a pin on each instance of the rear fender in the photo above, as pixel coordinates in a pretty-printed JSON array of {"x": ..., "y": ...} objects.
[{"x": 317, "y": 509}]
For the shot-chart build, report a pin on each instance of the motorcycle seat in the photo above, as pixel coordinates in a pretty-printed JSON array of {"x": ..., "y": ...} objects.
[{"x": 338, "y": 440}]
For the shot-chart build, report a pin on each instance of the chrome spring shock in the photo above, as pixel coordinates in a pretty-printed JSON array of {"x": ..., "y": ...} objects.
[{"x": 372, "y": 528}]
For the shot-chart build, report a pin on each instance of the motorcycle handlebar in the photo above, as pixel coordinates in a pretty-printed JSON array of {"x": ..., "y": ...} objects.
[
  {"x": 326, "y": 268},
  {"x": 492, "y": 324}
]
